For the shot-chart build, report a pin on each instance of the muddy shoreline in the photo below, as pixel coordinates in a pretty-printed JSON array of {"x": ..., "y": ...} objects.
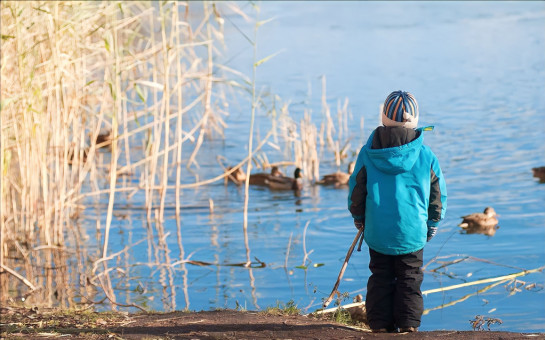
[{"x": 220, "y": 324}]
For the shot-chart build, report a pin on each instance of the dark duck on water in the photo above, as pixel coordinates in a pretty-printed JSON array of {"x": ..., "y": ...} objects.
[
  {"x": 539, "y": 173},
  {"x": 286, "y": 183},
  {"x": 263, "y": 178}
]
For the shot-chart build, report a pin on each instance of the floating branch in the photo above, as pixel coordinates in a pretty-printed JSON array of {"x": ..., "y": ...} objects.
[
  {"x": 465, "y": 297},
  {"x": 499, "y": 280},
  {"x": 492, "y": 279}
]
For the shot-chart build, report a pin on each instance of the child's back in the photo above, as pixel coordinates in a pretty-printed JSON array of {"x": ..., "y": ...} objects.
[{"x": 398, "y": 195}]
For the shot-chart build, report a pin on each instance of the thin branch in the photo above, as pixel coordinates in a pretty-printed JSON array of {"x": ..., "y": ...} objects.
[
  {"x": 492, "y": 279},
  {"x": 20, "y": 277}
]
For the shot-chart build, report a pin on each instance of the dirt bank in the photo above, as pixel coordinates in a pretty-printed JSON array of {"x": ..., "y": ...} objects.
[{"x": 223, "y": 324}]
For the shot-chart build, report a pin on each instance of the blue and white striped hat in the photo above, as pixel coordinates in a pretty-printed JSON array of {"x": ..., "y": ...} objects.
[{"x": 400, "y": 109}]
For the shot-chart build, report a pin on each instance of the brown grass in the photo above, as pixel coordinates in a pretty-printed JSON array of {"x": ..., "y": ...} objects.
[
  {"x": 72, "y": 71},
  {"x": 135, "y": 82}
]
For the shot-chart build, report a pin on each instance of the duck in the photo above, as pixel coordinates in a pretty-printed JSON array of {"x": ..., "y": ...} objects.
[
  {"x": 72, "y": 157},
  {"x": 286, "y": 183},
  {"x": 539, "y": 173},
  {"x": 338, "y": 179},
  {"x": 480, "y": 223},
  {"x": 104, "y": 138},
  {"x": 238, "y": 176},
  {"x": 263, "y": 178}
]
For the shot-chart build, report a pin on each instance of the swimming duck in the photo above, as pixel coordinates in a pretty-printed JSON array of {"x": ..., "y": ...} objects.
[
  {"x": 480, "y": 223},
  {"x": 238, "y": 176},
  {"x": 286, "y": 183},
  {"x": 338, "y": 178},
  {"x": 539, "y": 173},
  {"x": 104, "y": 137},
  {"x": 263, "y": 178},
  {"x": 276, "y": 172},
  {"x": 71, "y": 155}
]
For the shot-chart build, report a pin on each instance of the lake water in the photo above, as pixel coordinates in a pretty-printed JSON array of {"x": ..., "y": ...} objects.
[{"x": 477, "y": 70}]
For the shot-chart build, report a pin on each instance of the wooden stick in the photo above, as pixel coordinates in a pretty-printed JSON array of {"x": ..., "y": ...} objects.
[
  {"x": 498, "y": 280},
  {"x": 343, "y": 268},
  {"x": 465, "y": 297},
  {"x": 334, "y": 309},
  {"x": 493, "y": 279}
]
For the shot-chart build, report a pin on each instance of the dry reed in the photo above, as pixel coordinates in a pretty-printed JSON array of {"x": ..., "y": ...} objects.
[
  {"x": 96, "y": 93},
  {"x": 72, "y": 70}
]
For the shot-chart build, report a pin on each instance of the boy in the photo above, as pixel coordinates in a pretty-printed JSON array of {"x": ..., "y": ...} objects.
[{"x": 397, "y": 195}]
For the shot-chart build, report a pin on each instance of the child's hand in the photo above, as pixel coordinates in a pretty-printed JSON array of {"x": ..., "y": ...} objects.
[
  {"x": 359, "y": 225},
  {"x": 431, "y": 233}
]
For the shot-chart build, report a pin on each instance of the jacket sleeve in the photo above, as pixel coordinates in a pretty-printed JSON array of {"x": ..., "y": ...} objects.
[
  {"x": 357, "y": 189},
  {"x": 438, "y": 195}
]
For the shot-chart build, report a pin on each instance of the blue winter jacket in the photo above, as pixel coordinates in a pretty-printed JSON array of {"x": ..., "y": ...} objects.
[{"x": 399, "y": 192}]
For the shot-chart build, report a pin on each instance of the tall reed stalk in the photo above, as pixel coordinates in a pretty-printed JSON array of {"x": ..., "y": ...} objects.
[
  {"x": 250, "y": 143},
  {"x": 71, "y": 72}
]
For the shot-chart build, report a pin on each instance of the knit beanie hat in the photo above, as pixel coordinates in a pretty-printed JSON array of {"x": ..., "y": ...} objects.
[{"x": 400, "y": 109}]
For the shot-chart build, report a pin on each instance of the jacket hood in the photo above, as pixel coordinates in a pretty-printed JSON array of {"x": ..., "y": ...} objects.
[{"x": 398, "y": 159}]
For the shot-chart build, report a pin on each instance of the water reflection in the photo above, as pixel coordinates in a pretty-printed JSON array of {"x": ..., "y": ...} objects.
[
  {"x": 488, "y": 231},
  {"x": 181, "y": 258}
]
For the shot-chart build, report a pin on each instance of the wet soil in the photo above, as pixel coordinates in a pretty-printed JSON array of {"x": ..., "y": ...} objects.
[{"x": 222, "y": 324}]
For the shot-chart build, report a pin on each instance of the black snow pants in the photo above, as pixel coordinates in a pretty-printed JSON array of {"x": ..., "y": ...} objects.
[{"x": 394, "y": 299}]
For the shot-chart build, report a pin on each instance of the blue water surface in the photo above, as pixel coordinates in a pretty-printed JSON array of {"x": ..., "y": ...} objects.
[{"x": 477, "y": 70}]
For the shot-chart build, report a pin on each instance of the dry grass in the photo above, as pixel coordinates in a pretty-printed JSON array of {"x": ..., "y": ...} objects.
[
  {"x": 74, "y": 71},
  {"x": 103, "y": 100}
]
